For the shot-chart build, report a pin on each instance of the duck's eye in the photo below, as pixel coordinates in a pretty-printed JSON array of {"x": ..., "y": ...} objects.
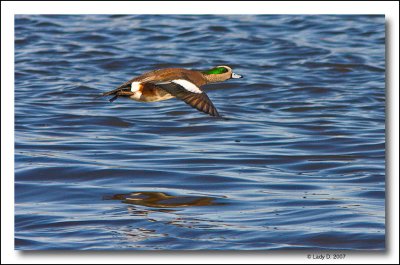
[{"x": 215, "y": 71}]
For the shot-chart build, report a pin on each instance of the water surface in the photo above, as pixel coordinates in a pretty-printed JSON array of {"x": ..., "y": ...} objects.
[{"x": 298, "y": 162}]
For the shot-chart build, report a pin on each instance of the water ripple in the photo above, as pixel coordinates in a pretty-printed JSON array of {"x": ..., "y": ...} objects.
[{"x": 297, "y": 162}]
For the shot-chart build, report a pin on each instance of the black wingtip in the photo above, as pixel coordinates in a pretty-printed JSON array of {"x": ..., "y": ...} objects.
[{"x": 215, "y": 114}]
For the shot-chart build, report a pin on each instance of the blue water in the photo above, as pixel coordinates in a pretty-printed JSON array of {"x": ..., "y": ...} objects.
[{"x": 298, "y": 162}]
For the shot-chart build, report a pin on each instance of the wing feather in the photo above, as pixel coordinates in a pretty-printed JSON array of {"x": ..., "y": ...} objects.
[{"x": 192, "y": 95}]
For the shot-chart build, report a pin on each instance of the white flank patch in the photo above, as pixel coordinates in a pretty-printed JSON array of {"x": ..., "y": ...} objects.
[
  {"x": 135, "y": 86},
  {"x": 189, "y": 86},
  {"x": 136, "y": 96}
]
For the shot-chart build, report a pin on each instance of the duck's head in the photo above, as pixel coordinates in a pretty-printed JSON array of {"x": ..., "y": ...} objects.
[{"x": 219, "y": 74}]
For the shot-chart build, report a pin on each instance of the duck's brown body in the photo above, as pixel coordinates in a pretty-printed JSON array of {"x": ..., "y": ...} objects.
[
  {"x": 149, "y": 92},
  {"x": 168, "y": 83}
]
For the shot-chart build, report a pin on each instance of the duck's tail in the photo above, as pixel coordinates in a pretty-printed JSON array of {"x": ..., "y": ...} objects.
[{"x": 118, "y": 92}]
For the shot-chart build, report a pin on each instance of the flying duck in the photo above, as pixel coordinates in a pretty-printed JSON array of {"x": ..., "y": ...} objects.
[{"x": 178, "y": 83}]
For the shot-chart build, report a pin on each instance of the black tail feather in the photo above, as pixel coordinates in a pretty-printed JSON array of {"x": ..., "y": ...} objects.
[
  {"x": 114, "y": 92},
  {"x": 113, "y": 98}
]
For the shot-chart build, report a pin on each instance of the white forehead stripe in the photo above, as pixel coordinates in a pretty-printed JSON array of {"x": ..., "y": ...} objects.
[
  {"x": 135, "y": 86},
  {"x": 189, "y": 86}
]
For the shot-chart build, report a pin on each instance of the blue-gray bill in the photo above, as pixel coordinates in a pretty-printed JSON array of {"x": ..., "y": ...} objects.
[{"x": 236, "y": 76}]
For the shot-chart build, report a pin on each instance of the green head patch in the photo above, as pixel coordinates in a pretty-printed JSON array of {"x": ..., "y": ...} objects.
[{"x": 215, "y": 71}]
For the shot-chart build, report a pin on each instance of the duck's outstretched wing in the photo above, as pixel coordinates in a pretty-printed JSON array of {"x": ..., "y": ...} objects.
[{"x": 190, "y": 94}]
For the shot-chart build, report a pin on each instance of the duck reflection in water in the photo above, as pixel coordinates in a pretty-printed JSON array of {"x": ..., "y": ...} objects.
[{"x": 162, "y": 200}]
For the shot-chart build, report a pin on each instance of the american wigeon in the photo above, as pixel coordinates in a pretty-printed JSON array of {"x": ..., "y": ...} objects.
[{"x": 168, "y": 83}]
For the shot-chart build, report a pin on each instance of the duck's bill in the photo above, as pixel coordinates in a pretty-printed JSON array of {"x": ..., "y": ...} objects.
[{"x": 236, "y": 76}]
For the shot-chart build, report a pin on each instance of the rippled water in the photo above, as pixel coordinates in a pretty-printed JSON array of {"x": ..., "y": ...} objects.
[{"x": 298, "y": 161}]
